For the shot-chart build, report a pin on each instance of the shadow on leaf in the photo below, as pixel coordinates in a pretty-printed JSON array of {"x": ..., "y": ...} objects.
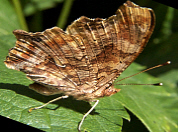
[{"x": 70, "y": 103}]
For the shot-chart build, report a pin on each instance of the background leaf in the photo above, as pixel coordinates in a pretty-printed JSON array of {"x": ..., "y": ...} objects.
[
  {"x": 33, "y": 6},
  {"x": 156, "y": 107}
]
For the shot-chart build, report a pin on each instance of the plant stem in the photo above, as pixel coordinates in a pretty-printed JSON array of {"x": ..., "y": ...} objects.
[
  {"x": 166, "y": 27},
  {"x": 64, "y": 13},
  {"x": 20, "y": 15}
]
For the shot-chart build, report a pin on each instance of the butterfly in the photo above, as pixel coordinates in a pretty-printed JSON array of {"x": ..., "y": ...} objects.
[{"x": 86, "y": 59}]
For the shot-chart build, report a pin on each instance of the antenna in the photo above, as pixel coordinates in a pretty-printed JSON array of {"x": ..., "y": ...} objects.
[{"x": 156, "y": 84}]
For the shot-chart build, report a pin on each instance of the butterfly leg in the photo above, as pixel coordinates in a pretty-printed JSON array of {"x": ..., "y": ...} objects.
[
  {"x": 62, "y": 97},
  {"x": 79, "y": 127}
]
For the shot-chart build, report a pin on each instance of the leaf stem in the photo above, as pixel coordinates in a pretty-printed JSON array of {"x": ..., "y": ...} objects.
[
  {"x": 20, "y": 15},
  {"x": 64, "y": 13}
]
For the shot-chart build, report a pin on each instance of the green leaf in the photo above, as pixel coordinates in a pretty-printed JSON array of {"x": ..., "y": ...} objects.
[
  {"x": 8, "y": 19},
  {"x": 155, "y": 106}
]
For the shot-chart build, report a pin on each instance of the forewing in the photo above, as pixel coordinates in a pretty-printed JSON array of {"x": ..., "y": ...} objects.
[
  {"x": 51, "y": 58},
  {"x": 113, "y": 44}
]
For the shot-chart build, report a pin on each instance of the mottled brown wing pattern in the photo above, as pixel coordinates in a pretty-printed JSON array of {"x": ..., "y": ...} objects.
[
  {"x": 85, "y": 60},
  {"x": 113, "y": 44},
  {"x": 51, "y": 58}
]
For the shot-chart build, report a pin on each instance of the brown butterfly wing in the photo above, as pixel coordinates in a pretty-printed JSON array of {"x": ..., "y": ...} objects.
[
  {"x": 88, "y": 58},
  {"x": 113, "y": 44},
  {"x": 51, "y": 58}
]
